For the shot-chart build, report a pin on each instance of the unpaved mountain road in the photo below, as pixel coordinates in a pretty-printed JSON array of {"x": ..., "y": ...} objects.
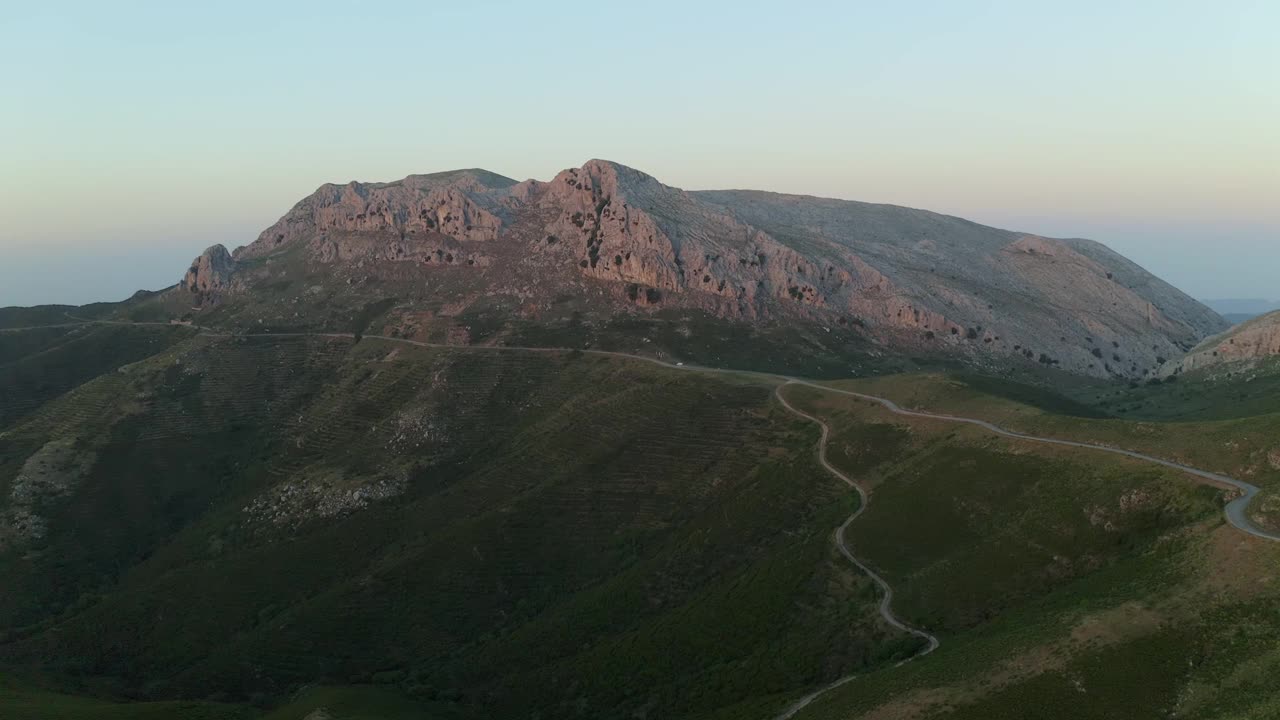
[
  {"x": 1236, "y": 511},
  {"x": 886, "y": 599}
]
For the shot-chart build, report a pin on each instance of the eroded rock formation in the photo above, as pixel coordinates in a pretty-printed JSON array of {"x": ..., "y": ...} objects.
[
  {"x": 905, "y": 277},
  {"x": 211, "y": 272}
]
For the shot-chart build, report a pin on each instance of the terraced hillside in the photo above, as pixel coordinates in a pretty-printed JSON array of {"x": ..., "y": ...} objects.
[{"x": 39, "y": 365}]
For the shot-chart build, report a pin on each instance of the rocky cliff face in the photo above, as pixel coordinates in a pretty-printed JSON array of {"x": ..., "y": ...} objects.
[
  {"x": 210, "y": 273},
  {"x": 444, "y": 203},
  {"x": 907, "y": 278},
  {"x": 1255, "y": 340}
]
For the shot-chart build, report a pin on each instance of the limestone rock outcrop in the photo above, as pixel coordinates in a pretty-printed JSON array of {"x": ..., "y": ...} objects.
[
  {"x": 904, "y": 277},
  {"x": 211, "y": 272}
]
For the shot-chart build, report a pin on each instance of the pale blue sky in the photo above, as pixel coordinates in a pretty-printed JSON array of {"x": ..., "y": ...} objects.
[{"x": 134, "y": 134}]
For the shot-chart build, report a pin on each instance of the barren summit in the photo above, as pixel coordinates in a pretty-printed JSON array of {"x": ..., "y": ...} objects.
[{"x": 621, "y": 244}]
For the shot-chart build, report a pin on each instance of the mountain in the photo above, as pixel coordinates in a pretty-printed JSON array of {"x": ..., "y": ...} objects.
[
  {"x": 1238, "y": 310},
  {"x": 1242, "y": 306},
  {"x": 1252, "y": 341},
  {"x": 1237, "y": 318},
  {"x": 441, "y": 448},
  {"x": 262, "y": 526},
  {"x": 612, "y": 243}
]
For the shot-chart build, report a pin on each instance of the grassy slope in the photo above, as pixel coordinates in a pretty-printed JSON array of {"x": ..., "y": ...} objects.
[
  {"x": 19, "y": 344},
  {"x": 1237, "y": 447},
  {"x": 26, "y": 317},
  {"x": 1197, "y": 420},
  {"x": 565, "y": 518},
  {"x": 21, "y": 317},
  {"x": 1233, "y": 390},
  {"x": 22, "y": 702},
  {"x": 685, "y": 599},
  {"x": 1098, "y": 589},
  {"x": 360, "y": 703},
  {"x": 39, "y": 365}
]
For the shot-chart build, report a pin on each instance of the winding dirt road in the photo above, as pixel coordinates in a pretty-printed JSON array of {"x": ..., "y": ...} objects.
[
  {"x": 1236, "y": 511},
  {"x": 886, "y": 599}
]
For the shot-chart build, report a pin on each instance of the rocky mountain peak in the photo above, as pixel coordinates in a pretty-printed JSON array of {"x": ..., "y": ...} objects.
[
  {"x": 210, "y": 273},
  {"x": 903, "y": 277},
  {"x": 446, "y": 203}
]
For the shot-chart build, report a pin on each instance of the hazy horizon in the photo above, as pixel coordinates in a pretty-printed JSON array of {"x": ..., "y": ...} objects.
[{"x": 141, "y": 136}]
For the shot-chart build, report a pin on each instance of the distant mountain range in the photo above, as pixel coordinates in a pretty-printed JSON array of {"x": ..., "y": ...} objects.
[{"x": 1238, "y": 310}]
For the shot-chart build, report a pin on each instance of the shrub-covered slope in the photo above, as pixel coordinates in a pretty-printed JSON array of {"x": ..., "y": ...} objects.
[
  {"x": 278, "y": 526},
  {"x": 1063, "y": 584},
  {"x": 239, "y": 518}
]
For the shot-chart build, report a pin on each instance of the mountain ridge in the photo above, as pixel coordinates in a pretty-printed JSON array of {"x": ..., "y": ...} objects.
[
  {"x": 905, "y": 278},
  {"x": 1252, "y": 341}
]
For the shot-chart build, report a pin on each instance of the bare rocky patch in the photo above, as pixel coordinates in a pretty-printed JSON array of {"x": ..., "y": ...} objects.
[
  {"x": 320, "y": 495},
  {"x": 52, "y": 472}
]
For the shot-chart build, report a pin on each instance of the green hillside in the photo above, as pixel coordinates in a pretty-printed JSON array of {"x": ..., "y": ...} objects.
[
  {"x": 444, "y": 517},
  {"x": 1078, "y": 586},
  {"x": 273, "y": 527}
]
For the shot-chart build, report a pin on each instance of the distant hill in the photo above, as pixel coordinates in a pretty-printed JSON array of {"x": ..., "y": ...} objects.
[
  {"x": 1237, "y": 310},
  {"x": 1255, "y": 340},
  {"x": 1237, "y": 318}
]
